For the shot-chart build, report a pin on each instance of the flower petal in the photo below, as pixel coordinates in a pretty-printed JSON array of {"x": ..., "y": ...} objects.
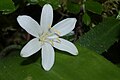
[
  {"x": 30, "y": 25},
  {"x": 65, "y": 45},
  {"x": 64, "y": 27},
  {"x": 47, "y": 56},
  {"x": 46, "y": 17},
  {"x": 31, "y": 47}
]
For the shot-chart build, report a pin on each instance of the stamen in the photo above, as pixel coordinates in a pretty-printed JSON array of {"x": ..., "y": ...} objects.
[
  {"x": 58, "y": 40},
  {"x": 43, "y": 37},
  {"x": 56, "y": 31},
  {"x": 49, "y": 26},
  {"x": 51, "y": 42}
]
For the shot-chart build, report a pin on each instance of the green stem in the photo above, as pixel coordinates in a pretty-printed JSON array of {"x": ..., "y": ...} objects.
[{"x": 8, "y": 49}]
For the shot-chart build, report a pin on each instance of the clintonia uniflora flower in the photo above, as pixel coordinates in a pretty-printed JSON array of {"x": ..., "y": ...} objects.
[{"x": 47, "y": 37}]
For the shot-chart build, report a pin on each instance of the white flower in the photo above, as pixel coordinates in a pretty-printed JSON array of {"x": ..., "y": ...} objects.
[{"x": 47, "y": 37}]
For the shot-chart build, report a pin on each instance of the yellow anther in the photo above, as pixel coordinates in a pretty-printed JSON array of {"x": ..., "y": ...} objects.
[
  {"x": 49, "y": 26},
  {"x": 58, "y": 40},
  {"x": 56, "y": 31},
  {"x": 51, "y": 42},
  {"x": 43, "y": 37}
]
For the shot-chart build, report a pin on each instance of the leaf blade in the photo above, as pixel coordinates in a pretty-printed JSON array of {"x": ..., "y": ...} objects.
[
  {"x": 7, "y": 6},
  {"x": 85, "y": 66},
  {"x": 94, "y": 7},
  {"x": 102, "y": 36}
]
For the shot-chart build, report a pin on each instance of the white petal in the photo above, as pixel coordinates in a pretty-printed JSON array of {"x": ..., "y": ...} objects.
[
  {"x": 48, "y": 56},
  {"x": 31, "y": 47},
  {"x": 30, "y": 25},
  {"x": 65, "y": 45},
  {"x": 46, "y": 17},
  {"x": 64, "y": 27}
]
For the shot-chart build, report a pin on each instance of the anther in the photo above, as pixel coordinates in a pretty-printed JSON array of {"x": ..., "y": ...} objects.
[{"x": 56, "y": 31}]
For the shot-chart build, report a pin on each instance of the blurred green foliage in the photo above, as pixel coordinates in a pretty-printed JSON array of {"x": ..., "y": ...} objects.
[
  {"x": 95, "y": 33},
  {"x": 55, "y": 3},
  {"x": 86, "y": 19},
  {"x": 7, "y": 6},
  {"x": 94, "y": 7}
]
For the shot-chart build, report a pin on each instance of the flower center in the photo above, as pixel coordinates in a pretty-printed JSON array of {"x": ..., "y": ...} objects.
[{"x": 44, "y": 37}]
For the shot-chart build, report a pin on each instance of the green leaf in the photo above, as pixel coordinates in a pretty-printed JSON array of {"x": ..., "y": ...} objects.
[
  {"x": 100, "y": 38},
  {"x": 94, "y": 7},
  {"x": 55, "y": 3},
  {"x": 86, "y": 19},
  {"x": 73, "y": 7},
  {"x": 7, "y": 6},
  {"x": 33, "y": 1},
  {"x": 86, "y": 66}
]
